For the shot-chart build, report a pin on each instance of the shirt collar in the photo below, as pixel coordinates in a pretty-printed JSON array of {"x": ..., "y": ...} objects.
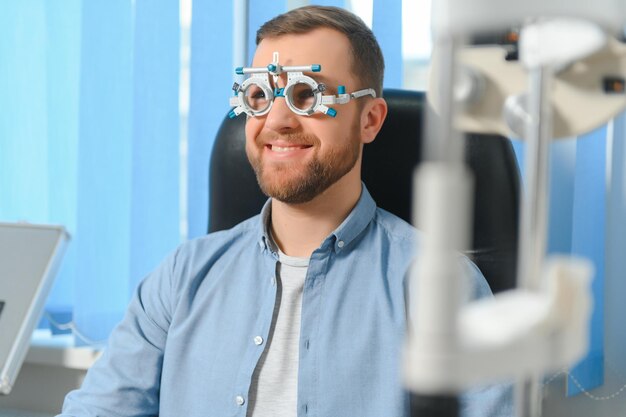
[{"x": 358, "y": 219}]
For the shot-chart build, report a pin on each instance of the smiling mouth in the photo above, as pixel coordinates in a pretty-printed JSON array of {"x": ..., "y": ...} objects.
[{"x": 275, "y": 148}]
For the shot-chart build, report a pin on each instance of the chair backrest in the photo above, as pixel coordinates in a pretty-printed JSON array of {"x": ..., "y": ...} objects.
[{"x": 388, "y": 165}]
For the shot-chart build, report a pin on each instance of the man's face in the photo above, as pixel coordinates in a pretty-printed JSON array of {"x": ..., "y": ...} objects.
[{"x": 298, "y": 157}]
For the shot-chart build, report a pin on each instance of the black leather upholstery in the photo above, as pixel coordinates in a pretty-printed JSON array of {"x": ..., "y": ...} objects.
[{"x": 388, "y": 165}]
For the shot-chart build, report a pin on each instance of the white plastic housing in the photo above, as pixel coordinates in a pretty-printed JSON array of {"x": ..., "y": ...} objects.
[
  {"x": 464, "y": 17},
  {"x": 514, "y": 334}
]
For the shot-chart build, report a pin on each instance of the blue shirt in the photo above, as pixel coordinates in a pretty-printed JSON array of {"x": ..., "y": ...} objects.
[{"x": 196, "y": 327}]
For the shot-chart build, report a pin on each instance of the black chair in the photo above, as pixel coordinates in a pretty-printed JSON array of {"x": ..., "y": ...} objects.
[{"x": 388, "y": 165}]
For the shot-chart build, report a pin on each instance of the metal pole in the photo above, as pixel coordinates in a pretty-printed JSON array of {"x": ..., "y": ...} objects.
[
  {"x": 535, "y": 203},
  {"x": 534, "y": 222},
  {"x": 443, "y": 142}
]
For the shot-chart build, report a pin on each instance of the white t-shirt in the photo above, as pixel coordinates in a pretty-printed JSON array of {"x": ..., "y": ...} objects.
[{"x": 274, "y": 389}]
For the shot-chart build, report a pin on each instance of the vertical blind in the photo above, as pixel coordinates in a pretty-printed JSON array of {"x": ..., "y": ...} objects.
[
  {"x": 89, "y": 139},
  {"x": 577, "y": 226}
]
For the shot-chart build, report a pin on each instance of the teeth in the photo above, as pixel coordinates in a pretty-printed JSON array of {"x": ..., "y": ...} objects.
[{"x": 283, "y": 149}]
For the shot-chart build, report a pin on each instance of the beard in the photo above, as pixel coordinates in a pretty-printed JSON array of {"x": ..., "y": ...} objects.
[{"x": 298, "y": 182}]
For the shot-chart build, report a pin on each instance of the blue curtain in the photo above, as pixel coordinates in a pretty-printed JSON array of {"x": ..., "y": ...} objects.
[
  {"x": 577, "y": 226},
  {"x": 260, "y": 12},
  {"x": 39, "y": 121},
  {"x": 24, "y": 119},
  {"x": 387, "y": 26},
  {"x": 89, "y": 139},
  {"x": 211, "y": 80}
]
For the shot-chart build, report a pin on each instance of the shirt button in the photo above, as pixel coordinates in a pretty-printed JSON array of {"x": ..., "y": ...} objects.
[
  {"x": 340, "y": 243},
  {"x": 258, "y": 340},
  {"x": 240, "y": 400}
]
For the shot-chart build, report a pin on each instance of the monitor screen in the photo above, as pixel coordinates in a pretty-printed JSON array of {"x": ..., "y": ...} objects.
[{"x": 29, "y": 259}]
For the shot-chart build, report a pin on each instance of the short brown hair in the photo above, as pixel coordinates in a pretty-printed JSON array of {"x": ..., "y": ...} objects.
[{"x": 368, "y": 64}]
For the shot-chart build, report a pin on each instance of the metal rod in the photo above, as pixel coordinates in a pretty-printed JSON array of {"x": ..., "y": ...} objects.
[
  {"x": 535, "y": 202},
  {"x": 534, "y": 221},
  {"x": 443, "y": 142}
]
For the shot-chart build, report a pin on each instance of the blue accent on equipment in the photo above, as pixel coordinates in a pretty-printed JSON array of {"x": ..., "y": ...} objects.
[
  {"x": 316, "y": 67},
  {"x": 239, "y": 70},
  {"x": 271, "y": 67},
  {"x": 279, "y": 92},
  {"x": 232, "y": 114},
  {"x": 341, "y": 89},
  {"x": 332, "y": 112}
]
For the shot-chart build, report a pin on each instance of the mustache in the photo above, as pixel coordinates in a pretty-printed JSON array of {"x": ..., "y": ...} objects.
[{"x": 267, "y": 137}]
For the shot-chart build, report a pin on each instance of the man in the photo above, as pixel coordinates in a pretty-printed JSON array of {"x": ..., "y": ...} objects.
[{"x": 298, "y": 311}]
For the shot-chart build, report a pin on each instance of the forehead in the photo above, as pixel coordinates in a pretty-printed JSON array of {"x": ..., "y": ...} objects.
[{"x": 326, "y": 47}]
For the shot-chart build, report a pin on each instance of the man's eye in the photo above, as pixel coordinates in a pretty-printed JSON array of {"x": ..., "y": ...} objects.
[
  {"x": 304, "y": 94},
  {"x": 258, "y": 95}
]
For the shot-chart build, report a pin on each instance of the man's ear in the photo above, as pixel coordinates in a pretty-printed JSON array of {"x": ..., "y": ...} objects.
[{"x": 372, "y": 118}]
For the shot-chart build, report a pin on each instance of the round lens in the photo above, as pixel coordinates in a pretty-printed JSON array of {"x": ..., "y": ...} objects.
[
  {"x": 302, "y": 97},
  {"x": 255, "y": 98}
]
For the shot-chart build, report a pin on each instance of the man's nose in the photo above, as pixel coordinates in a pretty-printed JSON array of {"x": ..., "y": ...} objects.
[{"x": 280, "y": 118}]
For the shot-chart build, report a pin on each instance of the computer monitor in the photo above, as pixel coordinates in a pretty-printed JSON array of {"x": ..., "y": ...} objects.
[{"x": 30, "y": 256}]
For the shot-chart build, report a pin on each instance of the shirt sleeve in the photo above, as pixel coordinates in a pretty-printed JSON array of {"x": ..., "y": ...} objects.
[
  {"x": 125, "y": 381},
  {"x": 478, "y": 286}
]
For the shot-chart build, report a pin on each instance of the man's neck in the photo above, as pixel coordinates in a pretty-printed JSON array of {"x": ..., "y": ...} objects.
[{"x": 299, "y": 229}]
